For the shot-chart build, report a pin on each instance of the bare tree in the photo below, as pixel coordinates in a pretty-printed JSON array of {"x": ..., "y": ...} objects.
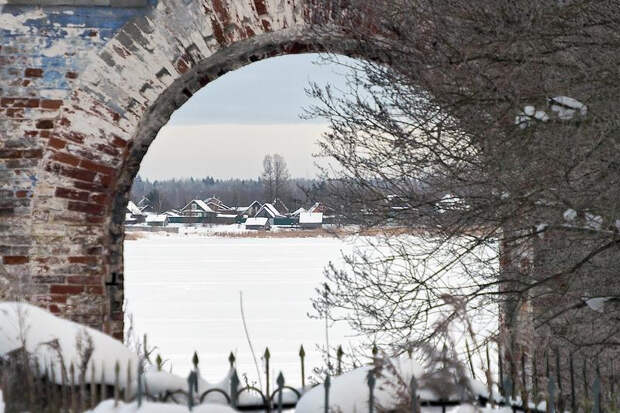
[
  {"x": 487, "y": 130},
  {"x": 268, "y": 177},
  {"x": 281, "y": 177}
]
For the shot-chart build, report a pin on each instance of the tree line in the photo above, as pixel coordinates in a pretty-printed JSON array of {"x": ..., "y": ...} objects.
[{"x": 274, "y": 182}]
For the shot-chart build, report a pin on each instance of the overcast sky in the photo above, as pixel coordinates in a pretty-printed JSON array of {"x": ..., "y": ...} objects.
[{"x": 226, "y": 129}]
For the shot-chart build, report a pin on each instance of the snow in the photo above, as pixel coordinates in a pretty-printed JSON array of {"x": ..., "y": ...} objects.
[
  {"x": 541, "y": 115},
  {"x": 570, "y": 214},
  {"x": 529, "y": 110},
  {"x": 1, "y": 402},
  {"x": 594, "y": 221},
  {"x": 311, "y": 218},
  {"x": 349, "y": 392},
  {"x": 156, "y": 219},
  {"x": 541, "y": 228},
  {"x": 567, "y": 107},
  {"x": 597, "y": 303},
  {"x": 256, "y": 221},
  {"x": 149, "y": 407},
  {"x": 183, "y": 291},
  {"x": 24, "y": 324}
]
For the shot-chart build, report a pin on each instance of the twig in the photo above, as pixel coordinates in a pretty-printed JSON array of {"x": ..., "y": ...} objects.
[{"x": 247, "y": 336}]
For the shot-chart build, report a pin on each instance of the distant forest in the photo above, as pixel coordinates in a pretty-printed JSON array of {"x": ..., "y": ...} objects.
[{"x": 176, "y": 193}]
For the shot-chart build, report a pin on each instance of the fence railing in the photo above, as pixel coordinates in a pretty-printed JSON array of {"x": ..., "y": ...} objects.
[{"x": 78, "y": 390}]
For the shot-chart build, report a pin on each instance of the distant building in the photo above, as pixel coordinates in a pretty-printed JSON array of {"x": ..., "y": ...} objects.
[
  {"x": 257, "y": 224},
  {"x": 217, "y": 205},
  {"x": 157, "y": 220},
  {"x": 134, "y": 214},
  {"x": 270, "y": 212},
  {"x": 249, "y": 211},
  {"x": 311, "y": 220},
  {"x": 198, "y": 208}
]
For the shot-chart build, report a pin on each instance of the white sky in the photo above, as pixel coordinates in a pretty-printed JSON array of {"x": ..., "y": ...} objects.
[{"x": 226, "y": 128}]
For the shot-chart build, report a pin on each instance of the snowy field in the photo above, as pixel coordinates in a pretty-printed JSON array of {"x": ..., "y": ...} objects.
[{"x": 183, "y": 290}]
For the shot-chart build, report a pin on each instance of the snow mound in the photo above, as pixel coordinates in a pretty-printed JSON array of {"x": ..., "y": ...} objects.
[
  {"x": 567, "y": 107},
  {"x": 107, "y": 406},
  {"x": 55, "y": 342},
  {"x": 570, "y": 214},
  {"x": 349, "y": 392}
]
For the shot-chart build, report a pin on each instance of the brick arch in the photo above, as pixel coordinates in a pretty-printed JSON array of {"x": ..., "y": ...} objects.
[{"x": 76, "y": 153}]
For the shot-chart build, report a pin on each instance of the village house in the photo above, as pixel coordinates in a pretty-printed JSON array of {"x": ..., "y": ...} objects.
[
  {"x": 270, "y": 212},
  {"x": 310, "y": 220},
  {"x": 157, "y": 220},
  {"x": 197, "y": 208},
  {"x": 257, "y": 224},
  {"x": 134, "y": 215}
]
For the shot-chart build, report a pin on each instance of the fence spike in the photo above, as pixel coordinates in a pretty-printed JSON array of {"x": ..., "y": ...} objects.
[
  {"x": 139, "y": 379},
  {"x": 93, "y": 386},
  {"x": 234, "y": 388},
  {"x": 159, "y": 362},
  {"x": 302, "y": 356},
  {"x": 280, "y": 383},
  {"x": 117, "y": 384},
  {"x": 375, "y": 351},
  {"x": 128, "y": 385},
  {"x": 102, "y": 386},
  {"x": 231, "y": 359},
  {"x": 339, "y": 354},
  {"x": 370, "y": 378},
  {"x": 72, "y": 388},
  {"x": 327, "y": 385},
  {"x": 195, "y": 360}
]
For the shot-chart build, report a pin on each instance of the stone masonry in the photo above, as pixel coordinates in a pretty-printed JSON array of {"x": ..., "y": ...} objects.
[{"x": 84, "y": 88}]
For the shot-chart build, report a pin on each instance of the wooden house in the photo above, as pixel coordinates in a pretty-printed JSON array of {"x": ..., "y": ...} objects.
[{"x": 199, "y": 209}]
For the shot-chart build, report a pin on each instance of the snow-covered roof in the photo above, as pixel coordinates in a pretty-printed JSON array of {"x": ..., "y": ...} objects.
[
  {"x": 256, "y": 221},
  {"x": 172, "y": 213},
  {"x": 201, "y": 204},
  {"x": 271, "y": 210},
  {"x": 299, "y": 211},
  {"x": 133, "y": 208},
  {"x": 156, "y": 218},
  {"x": 226, "y": 216},
  {"x": 311, "y": 218}
]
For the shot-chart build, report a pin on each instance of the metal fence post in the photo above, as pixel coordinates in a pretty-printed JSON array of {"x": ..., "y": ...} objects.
[
  {"x": 234, "y": 389},
  {"x": 371, "y": 390},
  {"x": 140, "y": 374},
  {"x": 280, "y": 382},
  {"x": 327, "y": 385},
  {"x": 231, "y": 360},
  {"x": 596, "y": 393},
  {"x": 267, "y": 356},
  {"x": 302, "y": 356},
  {"x": 551, "y": 396},
  {"x": 414, "y": 395},
  {"x": 192, "y": 383}
]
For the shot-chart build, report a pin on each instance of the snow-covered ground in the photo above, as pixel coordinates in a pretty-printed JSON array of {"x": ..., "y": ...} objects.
[{"x": 183, "y": 290}]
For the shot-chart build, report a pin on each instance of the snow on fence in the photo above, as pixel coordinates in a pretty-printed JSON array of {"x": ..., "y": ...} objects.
[{"x": 82, "y": 388}]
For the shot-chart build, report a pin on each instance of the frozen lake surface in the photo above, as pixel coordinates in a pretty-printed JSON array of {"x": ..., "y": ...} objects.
[{"x": 183, "y": 291}]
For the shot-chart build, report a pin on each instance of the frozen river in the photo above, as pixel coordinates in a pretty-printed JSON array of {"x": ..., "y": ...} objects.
[{"x": 184, "y": 292}]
